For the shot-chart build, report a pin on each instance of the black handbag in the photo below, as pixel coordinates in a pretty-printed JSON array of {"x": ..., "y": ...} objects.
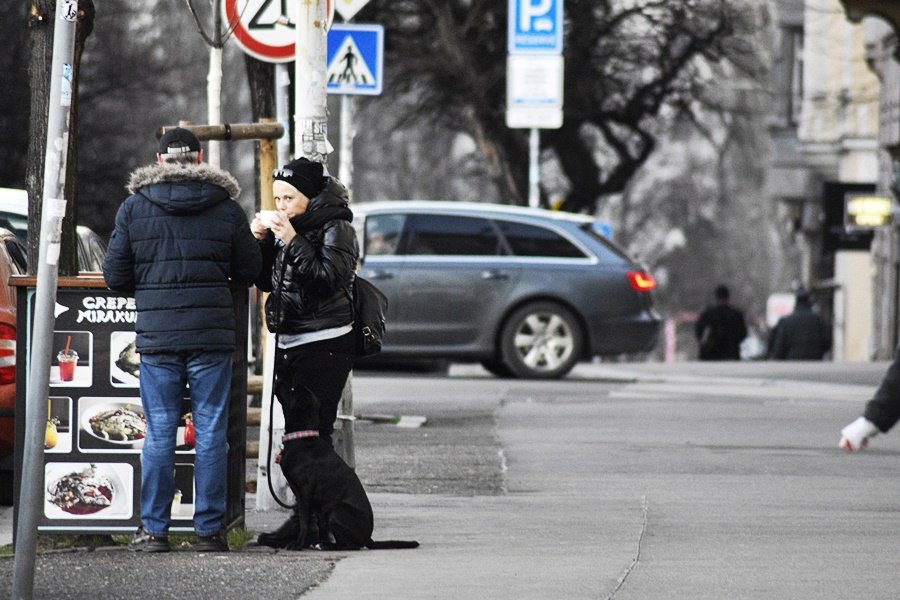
[{"x": 369, "y": 306}]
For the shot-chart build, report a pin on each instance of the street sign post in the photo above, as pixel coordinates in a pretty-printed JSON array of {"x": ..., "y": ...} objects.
[
  {"x": 355, "y": 59},
  {"x": 534, "y": 76},
  {"x": 265, "y": 29},
  {"x": 534, "y": 91},
  {"x": 535, "y": 26}
]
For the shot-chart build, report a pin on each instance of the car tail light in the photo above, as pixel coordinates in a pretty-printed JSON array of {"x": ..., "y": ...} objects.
[
  {"x": 641, "y": 281},
  {"x": 7, "y": 353}
]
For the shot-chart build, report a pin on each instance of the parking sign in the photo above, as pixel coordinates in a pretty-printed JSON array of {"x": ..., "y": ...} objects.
[{"x": 535, "y": 26}]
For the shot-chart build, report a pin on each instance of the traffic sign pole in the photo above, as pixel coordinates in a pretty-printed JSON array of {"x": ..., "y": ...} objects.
[
  {"x": 534, "y": 168},
  {"x": 534, "y": 75},
  {"x": 311, "y": 115},
  {"x": 52, "y": 211}
]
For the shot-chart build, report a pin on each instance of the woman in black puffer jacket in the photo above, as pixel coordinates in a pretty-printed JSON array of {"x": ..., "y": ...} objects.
[{"x": 309, "y": 253}]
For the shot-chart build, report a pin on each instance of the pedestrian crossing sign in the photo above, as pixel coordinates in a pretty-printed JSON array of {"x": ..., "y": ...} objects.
[{"x": 355, "y": 59}]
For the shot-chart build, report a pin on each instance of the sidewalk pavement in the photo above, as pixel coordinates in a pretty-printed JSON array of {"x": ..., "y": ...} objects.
[{"x": 706, "y": 519}]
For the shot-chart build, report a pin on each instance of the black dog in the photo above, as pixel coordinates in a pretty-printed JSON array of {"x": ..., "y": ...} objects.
[{"x": 332, "y": 510}]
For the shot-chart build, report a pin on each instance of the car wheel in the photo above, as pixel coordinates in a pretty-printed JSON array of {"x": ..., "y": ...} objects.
[
  {"x": 541, "y": 341},
  {"x": 496, "y": 367}
]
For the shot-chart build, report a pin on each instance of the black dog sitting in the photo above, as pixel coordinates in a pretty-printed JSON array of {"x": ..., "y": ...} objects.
[{"x": 332, "y": 510}]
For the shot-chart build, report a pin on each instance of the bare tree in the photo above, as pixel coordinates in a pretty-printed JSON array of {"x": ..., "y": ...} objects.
[
  {"x": 627, "y": 63},
  {"x": 14, "y": 101},
  {"x": 215, "y": 39}
]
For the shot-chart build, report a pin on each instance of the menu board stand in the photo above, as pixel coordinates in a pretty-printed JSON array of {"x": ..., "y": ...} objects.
[{"x": 92, "y": 460}]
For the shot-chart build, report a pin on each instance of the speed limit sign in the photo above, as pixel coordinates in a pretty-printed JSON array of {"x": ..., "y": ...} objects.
[{"x": 265, "y": 29}]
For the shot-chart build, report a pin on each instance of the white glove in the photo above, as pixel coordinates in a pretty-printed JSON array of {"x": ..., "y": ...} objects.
[{"x": 858, "y": 432}]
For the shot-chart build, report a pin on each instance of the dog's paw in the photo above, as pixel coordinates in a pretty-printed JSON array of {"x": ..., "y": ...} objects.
[{"x": 295, "y": 546}]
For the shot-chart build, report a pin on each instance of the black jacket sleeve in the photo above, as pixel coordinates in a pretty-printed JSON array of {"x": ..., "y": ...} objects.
[
  {"x": 246, "y": 258},
  {"x": 267, "y": 252},
  {"x": 118, "y": 265}
]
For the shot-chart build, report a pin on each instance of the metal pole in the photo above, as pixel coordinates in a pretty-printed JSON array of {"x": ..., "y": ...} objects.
[
  {"x": 534, "y": 169},
  {"x": 345, "y": 167},
  {"x": 311, "y": 141},
  {"x": 52, "y": 212},
  {"x": 214, "y": 103},
  {"x": 310, "y": 99},
  {"x": 282, "y": 112}
]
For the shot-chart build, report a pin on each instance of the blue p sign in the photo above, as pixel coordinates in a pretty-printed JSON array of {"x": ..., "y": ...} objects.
[{"x": 535, "y": 26}]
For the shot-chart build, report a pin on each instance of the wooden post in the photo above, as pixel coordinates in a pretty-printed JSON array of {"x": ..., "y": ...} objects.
[
  {"x": 267, "y": 163},
  {"x": 231, "y": 131}
]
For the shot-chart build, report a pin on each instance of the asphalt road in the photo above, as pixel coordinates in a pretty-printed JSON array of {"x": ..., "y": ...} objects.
[{"x": 701, "y": 481}]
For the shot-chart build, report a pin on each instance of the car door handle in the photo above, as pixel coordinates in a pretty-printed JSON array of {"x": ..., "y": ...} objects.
[
  {"x": 494, "y": 274},
  {"x": 379, "y": 274}
]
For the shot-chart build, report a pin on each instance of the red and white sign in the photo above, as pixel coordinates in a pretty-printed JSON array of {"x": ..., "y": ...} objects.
[{"x": 265, "y": 29}]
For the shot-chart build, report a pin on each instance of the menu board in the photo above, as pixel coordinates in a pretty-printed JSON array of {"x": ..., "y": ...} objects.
[{"x": 96, "y": 423}]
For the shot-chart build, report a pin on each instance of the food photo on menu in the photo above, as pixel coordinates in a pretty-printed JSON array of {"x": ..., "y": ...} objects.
[
  {"x": 88, "y": 490},
  {"x": 72, "y": 359},
  {"x": 111, "y": 424},
  {"x": 183, "y": 501},
  {"x": 125, "y": 362},
  {"x": 58, "y": 436}
]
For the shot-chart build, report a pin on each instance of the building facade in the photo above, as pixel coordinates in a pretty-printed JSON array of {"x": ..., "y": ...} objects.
[
  {"x": 881, "y": 22},
  {"x": 824, "y": 129}
]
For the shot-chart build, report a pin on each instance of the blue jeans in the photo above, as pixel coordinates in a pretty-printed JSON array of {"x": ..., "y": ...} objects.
[{"x": 163, "y": 377}]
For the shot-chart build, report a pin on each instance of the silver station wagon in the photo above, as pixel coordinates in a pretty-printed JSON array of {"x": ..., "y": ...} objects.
[{"x": 525, "y": 292}]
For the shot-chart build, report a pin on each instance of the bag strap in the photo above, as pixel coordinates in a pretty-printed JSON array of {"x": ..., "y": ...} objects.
[{"x": 350, "y": 298}]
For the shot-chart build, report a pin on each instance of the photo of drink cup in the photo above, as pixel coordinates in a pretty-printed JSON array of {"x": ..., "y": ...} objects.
[{"x": 67, "y": 360}]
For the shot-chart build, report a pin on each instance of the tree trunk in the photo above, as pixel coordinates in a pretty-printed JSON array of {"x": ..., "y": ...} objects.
[
  {"x": 42, "y": 15},
  {"x": 261, "y": 77}
]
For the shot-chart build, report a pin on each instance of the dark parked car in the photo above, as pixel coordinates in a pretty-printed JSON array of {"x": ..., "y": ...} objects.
[
  {"x": 526, "y": 292},
  {"x": 14, "y": 217}
]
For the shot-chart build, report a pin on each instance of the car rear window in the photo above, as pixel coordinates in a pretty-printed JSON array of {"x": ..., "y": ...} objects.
[
  {"x": 383, "y": 234},
  {"x": 611, "y": 250},
  {"x": 17, "y": 253},
  {"x": 532, "y": 240},
  {"x": 16, "y": 223},
  {"x": 448, "y": 235}
]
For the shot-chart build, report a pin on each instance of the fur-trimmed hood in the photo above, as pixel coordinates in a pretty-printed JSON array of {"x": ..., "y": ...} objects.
[{"x": 183, "y": 188}]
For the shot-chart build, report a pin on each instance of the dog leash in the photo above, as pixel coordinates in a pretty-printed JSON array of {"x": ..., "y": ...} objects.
[{"x": 272, "y": 394}]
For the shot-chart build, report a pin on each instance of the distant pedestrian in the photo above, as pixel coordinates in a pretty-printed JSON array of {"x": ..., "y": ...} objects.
[
  {"x": 180, "y": 240},
  {"x": 721, "y": 328},
  {"x": 803, "y": 334}
]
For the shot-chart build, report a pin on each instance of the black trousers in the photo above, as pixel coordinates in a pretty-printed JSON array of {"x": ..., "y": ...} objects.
[{"x": 321, "y": 367}]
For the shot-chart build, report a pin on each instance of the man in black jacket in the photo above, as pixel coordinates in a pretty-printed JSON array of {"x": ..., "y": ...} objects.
[
  {"x": 803, "y": 334},
  {"x": 180, "y": 240},
  {"x": 721, "y": 329}
]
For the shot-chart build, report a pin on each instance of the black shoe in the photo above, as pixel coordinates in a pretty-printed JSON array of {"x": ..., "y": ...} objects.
[
  {"x": 283, "y": 536},
  {"x": 147, "y": 542},
  {"x": 211, "y": 543}
]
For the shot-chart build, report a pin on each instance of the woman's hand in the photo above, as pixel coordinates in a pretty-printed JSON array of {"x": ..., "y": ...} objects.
[
  {"x": 282, "y": 228},
  {"x": 258, "y": 229},
  {"x": 277, "y": 222}
]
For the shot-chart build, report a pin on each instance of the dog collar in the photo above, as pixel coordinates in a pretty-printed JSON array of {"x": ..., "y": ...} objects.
[{"x": 296, "y": 435}]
